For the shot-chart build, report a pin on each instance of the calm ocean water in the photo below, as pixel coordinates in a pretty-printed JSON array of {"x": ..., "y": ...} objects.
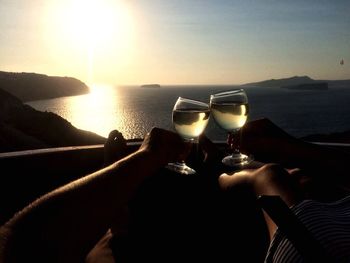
[{"x": 134, "y": 110}]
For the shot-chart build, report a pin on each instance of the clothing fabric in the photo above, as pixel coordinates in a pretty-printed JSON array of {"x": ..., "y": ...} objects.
[{"x": 329, "y": 223}]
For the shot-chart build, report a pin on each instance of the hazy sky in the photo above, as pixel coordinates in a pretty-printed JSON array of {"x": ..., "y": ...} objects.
[{"x": 176, "y": 41}]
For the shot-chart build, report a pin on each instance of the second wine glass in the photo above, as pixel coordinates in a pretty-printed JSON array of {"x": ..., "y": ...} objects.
[
  {"x": 230, "y": 111},
  {"x": 190, "y": 118}
]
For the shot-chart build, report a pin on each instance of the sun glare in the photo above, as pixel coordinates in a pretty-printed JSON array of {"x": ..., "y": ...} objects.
[
  {"x": 95, "y": 21},
  {"x": 95, "y": 29},
  {"x": 90, "y": 111}
]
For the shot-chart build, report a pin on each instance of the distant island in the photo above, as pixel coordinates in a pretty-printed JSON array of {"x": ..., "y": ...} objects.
[
  {"x": 299, "y": 83},
  {"x": 308, "y": 86},
  {"x": 282, "y": 82},
  {"x": 33, "y": 86},
  {"x": 152, "y": 86}
]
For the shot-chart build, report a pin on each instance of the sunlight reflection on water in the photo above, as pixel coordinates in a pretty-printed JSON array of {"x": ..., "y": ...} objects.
[
  {"x": 107, "y": 108},
  {"x": 89, "y": 112},
  {"x": 134, "y": 111},
  {"x": 129, "y": 110}
]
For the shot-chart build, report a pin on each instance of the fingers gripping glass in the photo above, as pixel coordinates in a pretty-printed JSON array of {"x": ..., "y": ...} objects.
[
  {"x": 190, "y": 117},
  {"x": 230, "y": 111}
]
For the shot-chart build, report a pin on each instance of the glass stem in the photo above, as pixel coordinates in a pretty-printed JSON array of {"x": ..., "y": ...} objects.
[
  {"x": 193, "y": 141},
  {"x": 233, "y": 139},
  {"x": 196, "y": 151}
]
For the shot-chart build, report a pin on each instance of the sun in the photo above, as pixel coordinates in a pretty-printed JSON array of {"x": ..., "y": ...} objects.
[
  {"x": 95, "y": 28},
  {"x": 95, "y": 21}
]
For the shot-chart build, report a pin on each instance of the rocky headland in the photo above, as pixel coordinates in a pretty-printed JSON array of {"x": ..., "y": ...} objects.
[
  {"x": 299, "y": 82},
  {"x": 23, "y": 128},
  {"x": 32, "y": 86}
]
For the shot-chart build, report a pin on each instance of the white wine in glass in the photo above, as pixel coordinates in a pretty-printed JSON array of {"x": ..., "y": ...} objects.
[
  {"x": 190, "y": 118},
  {"x": 230, "y": 111}
]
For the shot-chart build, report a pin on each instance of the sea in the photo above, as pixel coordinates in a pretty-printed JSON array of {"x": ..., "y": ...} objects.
[{"x": 134, "y": 110}]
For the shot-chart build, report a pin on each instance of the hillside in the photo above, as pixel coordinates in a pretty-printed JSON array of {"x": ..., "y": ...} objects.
[
  {"x": 281, "y": 82},
  {"x": 296, "y": 80},
  {"x": 32, "y": 86},
  {"x": 24, "y": 128}
]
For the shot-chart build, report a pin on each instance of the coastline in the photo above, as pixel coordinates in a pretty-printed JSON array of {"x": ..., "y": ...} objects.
[
  {"x": 33, "y": 86},
  {"x": 24, "y": 128}
]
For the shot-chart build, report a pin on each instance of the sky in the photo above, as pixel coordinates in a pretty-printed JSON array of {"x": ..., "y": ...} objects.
[{"x": 132, "y": 42}]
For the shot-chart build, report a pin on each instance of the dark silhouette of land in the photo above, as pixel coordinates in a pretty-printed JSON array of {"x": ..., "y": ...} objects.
[
  {"x": 308, "y": 86},
  {"x": 23, "y": 128},
  {"x": 299, "y": 81},
  {"x": 151, "y": 86},
  {"x": 32, "y": 86}
]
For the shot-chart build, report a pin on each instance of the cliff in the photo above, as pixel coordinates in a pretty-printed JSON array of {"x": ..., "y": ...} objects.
[
  {"x": 23, "y": 128},
  {"x": 32, "y": 86},
  {"x": 296, "y": 80},
  {"x": 299, "y": 82}
]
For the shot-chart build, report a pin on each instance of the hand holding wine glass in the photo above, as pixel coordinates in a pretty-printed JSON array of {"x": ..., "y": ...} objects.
[
  {"x": 230, "y": 111},
  {"x": 190, "y": 118}
]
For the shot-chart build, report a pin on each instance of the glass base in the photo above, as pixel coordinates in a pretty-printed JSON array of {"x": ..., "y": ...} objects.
[
  {"x": 180, "y": 168},
  {"x": 237, "y": 160}
]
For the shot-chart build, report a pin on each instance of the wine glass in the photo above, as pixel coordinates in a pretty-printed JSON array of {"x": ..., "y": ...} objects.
[
  {"x": 190, "y": 117},
  {"x": 230, "y": 111}
]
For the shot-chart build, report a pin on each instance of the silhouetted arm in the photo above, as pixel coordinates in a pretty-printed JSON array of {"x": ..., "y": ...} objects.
[
  {"x": 269, "y": 143},
  {"x": 65, "y": 224}
]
